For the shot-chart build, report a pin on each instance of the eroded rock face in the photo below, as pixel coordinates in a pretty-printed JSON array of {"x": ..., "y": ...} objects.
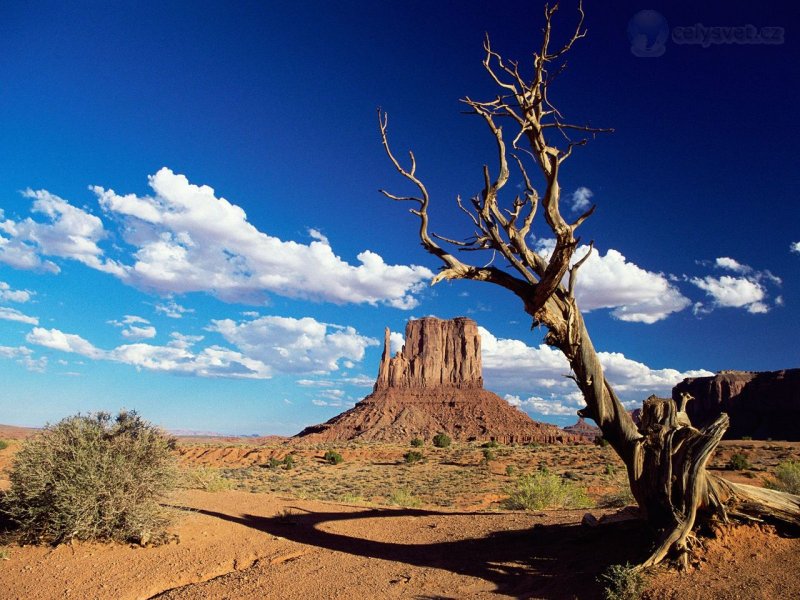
[
  {"x": 436, "y": 353},
  {"x": 434, "y": 385},
  {"x": 760, "y": 404}
]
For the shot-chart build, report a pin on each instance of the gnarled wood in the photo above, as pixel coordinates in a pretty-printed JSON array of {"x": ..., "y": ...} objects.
[{"x": 667, "y": 458}]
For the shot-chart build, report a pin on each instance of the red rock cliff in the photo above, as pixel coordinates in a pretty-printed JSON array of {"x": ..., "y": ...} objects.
[{"x": 436, "y": 353}]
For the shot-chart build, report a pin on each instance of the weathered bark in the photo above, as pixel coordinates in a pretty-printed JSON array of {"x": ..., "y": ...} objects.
[{"x": 666, "y": 458}]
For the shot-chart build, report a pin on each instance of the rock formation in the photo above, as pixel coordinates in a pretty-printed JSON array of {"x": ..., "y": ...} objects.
[
  {"x": 434, "y": 385},
  {"x": 584, "y": 429},
  {"x": 760, "y": 405}
]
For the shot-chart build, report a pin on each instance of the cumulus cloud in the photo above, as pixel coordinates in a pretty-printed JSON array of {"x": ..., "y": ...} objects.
[
  {"x": 294, "y": 345},
  {"x": 610, "y": 281},
  {"x": 9, "y": 295},
  {"x": 66, "y": 232},
  {"x": 187, "y": 239},
  {"x": 396, "y": 342},
  {"x": 581, "y": 199},
  {"x": 747, "y": 289},
  {"x": 135, "y": 328},
  {"x": 25, "y": 357},
  {"x": 263, "y": 347},
  {"x": 12, "y": 314},
  {"x": 172, "y": 309},
  {"x": 513, "y": 367},
  {"x": 734, "y": 292},
  {"x": 560, "y": 407},
  {"x": 795, "y": 247},
  {"x": 66, "y": 342}
]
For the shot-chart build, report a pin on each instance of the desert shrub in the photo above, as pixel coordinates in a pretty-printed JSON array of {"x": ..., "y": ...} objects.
[
  {"x": 787, "y": 477},
  {"x": 93, "y": 477},
  {"x": 599, "y": 440},
  {"x": 510, "y": 470},
  {"x": 488, "y": 455},
  {"x": 402, "y": 497},
  {"x": 3, "y": 444},
  {"x": 442, "y": 440},
  {"x": 620, "y": 497},
  {"x": 207, "y": 479},
  {"x": 610, "y": 470},
  {"x": 413, "y": 456},
  {"x": 490, "y": 444},
  {"x": 289, "y": 462},
  {"x": 545, "y": 490},
  {"x": 333, "y": 457},
  {"x": 738, "y": 462},
  {"x": 272, "y": 463},
  {"x": 622, "y": 582},
  {"x": 417, "y": 443}
]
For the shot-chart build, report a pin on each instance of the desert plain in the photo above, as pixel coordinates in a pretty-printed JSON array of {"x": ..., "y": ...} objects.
[{"x": 375, "y": 526}]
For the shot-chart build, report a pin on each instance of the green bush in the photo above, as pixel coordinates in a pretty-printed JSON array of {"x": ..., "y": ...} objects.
[
  {"x": 413, "y": 456},
  {"x": 787, "y": 477},
  {"x": 417, "y": 443},
  {"x": 738, "y": 462},
  {"x": 205, "y": 478},
  {"x": 545, "y": 490},
  {"x": 510, "y": 470},
  {"x": 3, "y": 444},
  {"x": 402, "y": 497},
  {"x": 490, "y": 444},
  {"x": 622, "y": 582},
  {"x": 93, "y": 477},
  {"x": 289, "y": 462},
  {"x": 441, "y": 440},
  {"x": 333, "y": 457},
  {"x": 488, "y": 455}
]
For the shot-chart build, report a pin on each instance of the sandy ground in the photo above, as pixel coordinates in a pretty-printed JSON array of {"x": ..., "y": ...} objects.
[{"x": 241, "y": 544}]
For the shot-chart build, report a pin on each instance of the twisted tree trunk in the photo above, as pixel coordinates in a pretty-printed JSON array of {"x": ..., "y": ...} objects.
[{"x": 666, "y": 457}]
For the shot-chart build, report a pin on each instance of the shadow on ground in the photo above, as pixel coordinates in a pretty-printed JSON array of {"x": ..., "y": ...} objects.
[{"x": 553, "y": 562}]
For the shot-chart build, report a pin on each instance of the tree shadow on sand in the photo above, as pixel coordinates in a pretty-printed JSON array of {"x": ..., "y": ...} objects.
[{"x": 546, "y": 561}]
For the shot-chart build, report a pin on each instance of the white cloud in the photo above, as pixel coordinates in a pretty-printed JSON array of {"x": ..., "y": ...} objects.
[
  {"x": 541, "y": 406},
  {"x": 610, "y": 281},
  {"x": 172, "y": 309},
  {"x": 187, "y": 240},
  {"x": 66, "y": 342},
  {"x": 263, "y": 347},
  {"x": 513, "y": 367},
  {"x": 9, "y": 295},
  {"x": 135, "y": 328},
  {"x": 67, "y": 232},
  {"x": 12, "y": 314},
  {"x": 294, "y": 345},
  {"x": 581, "y": 199},
  {"x": 24, "y": 356},
  {"x": 725, "y": 262},
  {"x": 734, "y": 292},
  {"x": 213, "y": 361},
  {"x": 795, "y": 247},
  {"x": 396, "y": 342}
]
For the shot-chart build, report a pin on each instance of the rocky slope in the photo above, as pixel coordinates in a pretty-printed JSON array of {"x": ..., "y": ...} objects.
[
  {"x": 433, "y": 385},
  {"x": 760, "y": 404}
]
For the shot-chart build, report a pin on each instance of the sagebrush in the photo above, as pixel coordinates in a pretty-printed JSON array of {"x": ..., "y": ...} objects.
[
  {"x": 93, "y": 477},
  {"x": 545, "y": 490},
  {"x": 787, "y": 477},
  {"x": 622, "y": 582}
]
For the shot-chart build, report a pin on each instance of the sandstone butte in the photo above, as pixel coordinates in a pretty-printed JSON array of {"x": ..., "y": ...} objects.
[
  {"x": 435, "y": 385},
  {"x": 761, "y": 405}
]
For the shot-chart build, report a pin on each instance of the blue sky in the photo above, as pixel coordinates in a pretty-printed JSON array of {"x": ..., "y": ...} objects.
[{"x": 191, "y": 226}]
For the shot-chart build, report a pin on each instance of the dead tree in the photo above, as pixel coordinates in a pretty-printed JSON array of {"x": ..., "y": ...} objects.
[{"x": 665, "y": 457}]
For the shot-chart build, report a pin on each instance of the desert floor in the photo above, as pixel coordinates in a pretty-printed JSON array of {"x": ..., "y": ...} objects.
[{"x": 376, "y": 527}]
